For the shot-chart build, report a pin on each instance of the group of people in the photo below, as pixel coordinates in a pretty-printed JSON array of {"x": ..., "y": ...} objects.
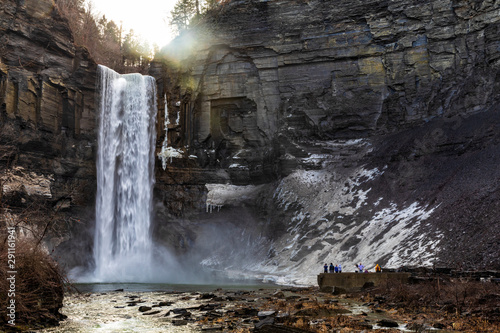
[
  {"x": 332, "y": 269},
  {"x": 338, "y": 268},
  {"x": 362, "y": 268}
]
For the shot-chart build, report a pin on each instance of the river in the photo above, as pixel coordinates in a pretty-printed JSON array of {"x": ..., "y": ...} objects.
[{"x": 105, "y": 307}]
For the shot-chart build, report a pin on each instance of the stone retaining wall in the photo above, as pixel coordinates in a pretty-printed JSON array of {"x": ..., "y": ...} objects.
[{"x": 350, "y": 281}]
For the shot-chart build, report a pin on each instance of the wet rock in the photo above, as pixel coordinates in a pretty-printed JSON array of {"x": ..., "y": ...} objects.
[
  {"x": 144, "y": 308},
  {"x": 246, "y": 312},
  {"x": 209, "y": 307},
  {"x": 439, "y": 326},
  {"x": 213, "y": 314},
  {"x": 180, "y": 311},
  {"x": 387, "y": 323},
  {"x": 219, "y": 299},
  {"x": 151, "y": 313},
  {"x": 292, "y": 297},
  {"x": 134, "y": 302},
  {"x": 184, "y": 315},
  {"x": 262, "y": 314},
  {"x": 207, "y": 328},
  {"x": 197, "y": 307},
  {"x": 266, "y": 321},
  {"x": 179, "y": 322},
  {"x": 331, "y": 301},
  {"x": 165, "y": 303},
  {"x": 207, "y": 296},
  {"x": 418, "y": 327},
  {"x": 365, "y": 326}
]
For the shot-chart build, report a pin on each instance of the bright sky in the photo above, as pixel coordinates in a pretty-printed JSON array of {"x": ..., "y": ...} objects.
[{"x": 148, "y": 18}]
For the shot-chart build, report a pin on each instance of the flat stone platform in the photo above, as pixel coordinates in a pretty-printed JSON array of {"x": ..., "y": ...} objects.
[{"x": 353, "y": 281}]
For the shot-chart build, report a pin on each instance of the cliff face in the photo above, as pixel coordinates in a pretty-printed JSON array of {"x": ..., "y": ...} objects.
[
  {"x": 298, "y": 133},
  {"x": 47, "y": 118},
  {"x": 267, "y": 71},
  {"x": 358, "y": 131}
]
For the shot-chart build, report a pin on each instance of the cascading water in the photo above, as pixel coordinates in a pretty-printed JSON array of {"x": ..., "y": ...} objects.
[{"x": 123, "y": 249}]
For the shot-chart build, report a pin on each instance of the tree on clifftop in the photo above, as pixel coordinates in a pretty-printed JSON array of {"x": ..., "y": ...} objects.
[
  {"x": 187, "y": 12},
  {"x": 182, "y": 13},
  {"x": 104, "y": 39}
]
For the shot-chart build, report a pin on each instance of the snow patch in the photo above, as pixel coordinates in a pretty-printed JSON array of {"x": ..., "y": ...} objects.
[
  {"x": 169, "y": 153},
  {"x": 226, "y": 194},
  {"x": 332, "y": 203},
  {"x": 19, "y": 180}
]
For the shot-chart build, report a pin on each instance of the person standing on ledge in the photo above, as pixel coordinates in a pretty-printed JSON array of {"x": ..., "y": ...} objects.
[
  {"x": 331, "y": 267},
  {"x": 340, "y": 268},
  {"x": 378, "y": 269},
  {"x": 325, "y": 268}
]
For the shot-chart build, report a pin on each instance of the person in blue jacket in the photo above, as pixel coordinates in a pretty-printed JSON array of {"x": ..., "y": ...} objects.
[{"x": 325, "y": 268}]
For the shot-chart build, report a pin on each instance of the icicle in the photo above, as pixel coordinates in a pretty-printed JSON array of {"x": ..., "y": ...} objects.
[
  {"x": 163, "y": 152},
  {"x": 168, "y": 153}
]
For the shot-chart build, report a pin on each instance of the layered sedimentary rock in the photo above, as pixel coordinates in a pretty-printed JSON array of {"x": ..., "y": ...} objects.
[
  {"x": 265, "y": 71},
  {"x": 369, "y": 128},
  {"x": 47, "y": 87},
  {"x": 47, "y": 119}
]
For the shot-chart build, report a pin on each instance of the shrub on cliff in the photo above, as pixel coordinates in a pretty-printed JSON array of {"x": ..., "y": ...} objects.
[{"x": 31, "y": 284}]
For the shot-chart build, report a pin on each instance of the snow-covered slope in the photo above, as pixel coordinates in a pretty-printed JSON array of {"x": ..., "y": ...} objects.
[
  {"x": 332, "y": 215},
  {"x": 389, "y": 200}
]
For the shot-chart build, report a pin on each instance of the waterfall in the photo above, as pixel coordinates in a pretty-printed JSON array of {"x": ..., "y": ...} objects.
[{"x": 123, "y": 249}]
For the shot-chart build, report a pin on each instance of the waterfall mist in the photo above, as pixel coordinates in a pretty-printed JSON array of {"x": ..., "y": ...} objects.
[{"x": 124, "y": 248}]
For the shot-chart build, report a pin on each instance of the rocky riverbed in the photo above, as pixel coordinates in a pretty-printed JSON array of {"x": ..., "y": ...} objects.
[
  {"x": 219, "y": 310},
  {"x": 396, "y": 308}
]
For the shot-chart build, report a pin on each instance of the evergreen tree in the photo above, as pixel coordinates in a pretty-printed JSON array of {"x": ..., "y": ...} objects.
[
  {"x": 182, "y": 13},
  {"x": 188, "y": 12},
  {"x": 130, "y": 49}
]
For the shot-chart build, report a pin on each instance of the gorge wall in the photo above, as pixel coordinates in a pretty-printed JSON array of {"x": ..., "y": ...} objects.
[
  {"x": 345, "y": 131},
  {"x": 297, "y": 133},
  {"x": 47, "y": 123},
  {"x": 260, "y": 73}
]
